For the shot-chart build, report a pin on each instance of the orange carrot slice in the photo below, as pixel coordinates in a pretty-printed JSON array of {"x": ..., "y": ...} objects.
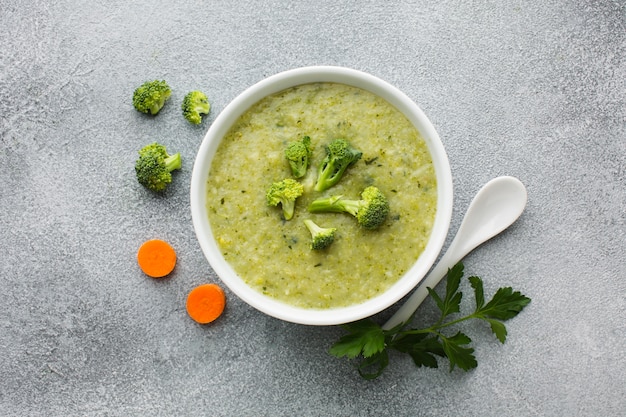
[
  {"x": 205, "y": 303},
  {"x": 156, "y": 258}
]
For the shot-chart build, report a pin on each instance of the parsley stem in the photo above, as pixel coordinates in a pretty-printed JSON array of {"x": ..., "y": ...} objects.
[
  {"x": 435, "y": 327},
  {"x": 453, "y": 322}
]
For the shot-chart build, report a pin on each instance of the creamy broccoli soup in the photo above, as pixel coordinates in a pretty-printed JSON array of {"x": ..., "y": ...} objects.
[{"x": 273, "y": 255}]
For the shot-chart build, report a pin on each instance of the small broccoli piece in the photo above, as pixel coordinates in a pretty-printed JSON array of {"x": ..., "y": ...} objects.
[
  {"x": 370, "y": 212},
  {"x": 155, "y": 165},
  {"x": 151, "y": 96},
  {"x": 194, "y": 105},
  {"x": 285, "y": 192},
  {"x": 339, "y": 156},
  {"x": 298, "y": 154},
  {"x": 321, "y": 237}
]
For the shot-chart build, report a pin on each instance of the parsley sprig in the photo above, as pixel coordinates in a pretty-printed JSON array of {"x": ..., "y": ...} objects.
[{"x": 370, "y": 344}]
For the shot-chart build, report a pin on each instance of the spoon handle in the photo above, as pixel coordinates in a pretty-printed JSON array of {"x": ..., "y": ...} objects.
[{"x": 448, "y": 260}]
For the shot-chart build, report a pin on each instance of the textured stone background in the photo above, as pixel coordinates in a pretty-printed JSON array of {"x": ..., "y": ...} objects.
[{"x": 534, "y": 89}]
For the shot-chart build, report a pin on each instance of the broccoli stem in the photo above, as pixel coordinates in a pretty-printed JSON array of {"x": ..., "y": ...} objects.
[
  {"x": 289, "y": 208},
  {"x": 335, "y": 204},
  {"x": 313, "y": 227},
  {"x": 173, "y": 162}
]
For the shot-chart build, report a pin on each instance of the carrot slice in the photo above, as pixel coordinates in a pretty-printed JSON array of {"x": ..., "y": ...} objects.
[
  {"x": 156, "y": 258},
  {"x": 205, "y": 303}
]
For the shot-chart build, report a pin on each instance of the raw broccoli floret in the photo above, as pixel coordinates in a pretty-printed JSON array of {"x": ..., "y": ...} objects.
[
  {"x": 370, "y": 212},
  {"x": 339, "y": 156},
  {"x": 298, "y": 154},
  {"x": 155, "y": 165},
  {"x": 321, "y": 237},
  {"x": 285, "y": 192},
  {"x": 150, "y": 97},
  {"x": 194, "y": 105}
]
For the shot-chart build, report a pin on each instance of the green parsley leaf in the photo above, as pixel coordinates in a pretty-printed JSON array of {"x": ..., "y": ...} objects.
[
  {"x": 436, "y": 298},
  {"x": 452, "y": 301},
  {"x": 504, "y": 305},
  {"x": 479, "y": 295},
  {"x": 498, "y": 328},
  {"x": 366, "y": 338},
  {"x": 373, "y": 366},
  {"x": 421, "y": 347},
  {"x": 460, "y": 356},
  {"x": 454, "y": 279}
]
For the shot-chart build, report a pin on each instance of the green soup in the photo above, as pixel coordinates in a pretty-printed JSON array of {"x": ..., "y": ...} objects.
[{"x": 273, "y": 256}]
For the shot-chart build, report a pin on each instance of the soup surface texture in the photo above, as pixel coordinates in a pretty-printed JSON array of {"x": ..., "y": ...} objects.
[{"x": 274, "y": 256}]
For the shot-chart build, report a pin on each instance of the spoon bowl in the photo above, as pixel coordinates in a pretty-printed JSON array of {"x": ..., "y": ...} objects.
[{"x": 494, "y": 208}]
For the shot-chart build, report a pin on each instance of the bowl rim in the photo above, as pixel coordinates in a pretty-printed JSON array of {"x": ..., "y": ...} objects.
[{"x": 279, "y": 82}]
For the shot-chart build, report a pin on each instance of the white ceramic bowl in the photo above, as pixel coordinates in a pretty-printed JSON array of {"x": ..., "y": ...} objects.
[{"x": 275, "y": 84}]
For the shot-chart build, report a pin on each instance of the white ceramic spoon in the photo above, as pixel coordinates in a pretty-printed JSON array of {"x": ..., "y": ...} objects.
[{"x": 494, "y": 208}]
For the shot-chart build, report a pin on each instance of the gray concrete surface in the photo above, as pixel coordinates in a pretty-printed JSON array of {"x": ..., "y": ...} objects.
[{"x": 533, "y": 89}]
